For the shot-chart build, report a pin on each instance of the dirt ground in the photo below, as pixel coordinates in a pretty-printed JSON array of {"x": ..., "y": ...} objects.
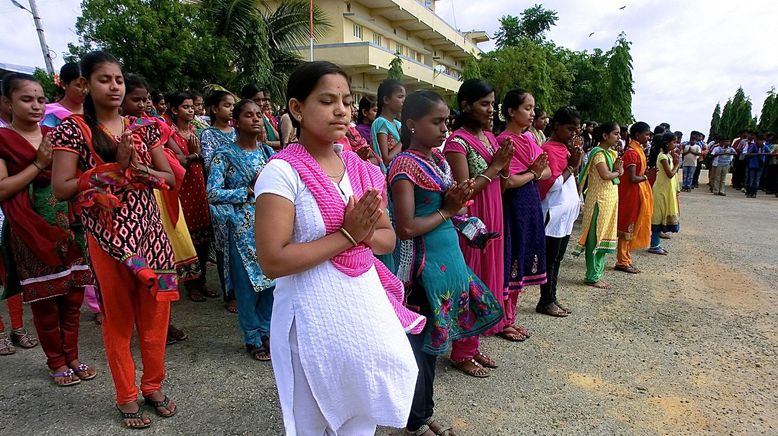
[{"x": 686, "y": 347}]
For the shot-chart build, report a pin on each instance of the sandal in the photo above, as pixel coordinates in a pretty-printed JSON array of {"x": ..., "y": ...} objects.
[
  {"x": 208, "y": 292},
  {"x": 565, "y": 308},
  {"x": 598, "y": 284},
  {"x": 627, "y": 269},
  {"x": 133, "y": 415},
  {"x": 419, "y": 431},
  {"x": 552, "y": 310},
  {"x": 522, "y": 330},
  {"x": 478, "y": 371},
  {"x": 68, "y": 373},
  {"x": 515, "y": 336},
  {"x": 485, "y": 361},
  {"x": 232, "y": 306},
  {"x": 23, "y": 338},
  {"x": 658, "y": 250},
  {"x": 260, "y": 353},
  {"x": 175, "y": 335},
  {"x": 161, "y": 404},
  {"x": 196, "y": 295},
  {"x": 6, "y": 346},
  {"x": 84, "y": 368},
  {"x": 440, "y": 429}
]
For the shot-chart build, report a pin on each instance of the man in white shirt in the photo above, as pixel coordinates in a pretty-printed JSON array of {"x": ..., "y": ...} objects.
[{"x": 691, "y": 151}]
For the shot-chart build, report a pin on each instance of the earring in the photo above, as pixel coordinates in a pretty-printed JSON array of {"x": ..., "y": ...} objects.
[
  {"x": 413, "y": 130},
  {"x": 299, "y": 118}
]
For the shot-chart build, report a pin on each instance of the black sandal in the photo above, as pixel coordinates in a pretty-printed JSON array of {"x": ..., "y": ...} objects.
[
  {"x": 255, "y": 353},
  {"x": 133, "y": 415},
  {"x": 157, "y": 404}
]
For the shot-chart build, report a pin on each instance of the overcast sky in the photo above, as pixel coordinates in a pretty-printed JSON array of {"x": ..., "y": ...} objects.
[{"x": 688, "y": 55}]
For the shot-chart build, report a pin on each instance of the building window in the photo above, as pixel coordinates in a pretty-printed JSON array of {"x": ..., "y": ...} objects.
[
  {"x": 377, "y": 39},
  {"x": 357, "y": 31},
  {"x": 398, "y": 48}
]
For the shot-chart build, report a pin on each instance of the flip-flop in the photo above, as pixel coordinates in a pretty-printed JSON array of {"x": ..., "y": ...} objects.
[
  {"x": 627, "y": 269},
  {"x": 67, "y": 373},
  {"x": 485, "y": 361},
  {"x": 133, "y": 415},
  {"x": 163, "y": 403},
  {"x": 83, "y": 367},
  {"x": 552, "y": 310}
]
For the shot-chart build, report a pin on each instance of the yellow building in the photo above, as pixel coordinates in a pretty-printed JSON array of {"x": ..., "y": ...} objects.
[{"x": 366, "y": 34}]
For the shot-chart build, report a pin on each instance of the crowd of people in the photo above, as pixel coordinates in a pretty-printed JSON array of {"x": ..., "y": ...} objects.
[{"x": 376, "y": 236}]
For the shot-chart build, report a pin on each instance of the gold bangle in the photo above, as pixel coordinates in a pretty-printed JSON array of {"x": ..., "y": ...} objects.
[
  {"x": 485, "y": 177},
  {"x": 348, "y": 235},
  {"x": 441, "y": 215}
]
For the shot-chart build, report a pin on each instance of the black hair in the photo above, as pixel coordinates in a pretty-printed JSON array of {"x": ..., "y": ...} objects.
[
  {"x": 760, "y": 135},
  {"x": 638, "y": 128},
  {"x": 305, "y": 78},
  {"x": 604, "y": 129},
  {"x": 659, "y": 146},
  {"x": 470, "y": 91},
  {"x": 387, "y": 88},
  {"x": 69, "y": 72},
  {"x": 12, "y": 81},
  {"x": 365, "y": 104},
  {"x": 133, "y": 82},
  {"x": 539, "y": 111},
  {"x": 512, "y": 100},
  {"x": 658, "y": 130},
  {"x": 213, "y": 100},
  {"x": 238, "y": 108},
  {"x": 194, "y": 93},
  {"x": 565, "y": 115},
  {"x": 695, "y": 133},
  {"x": 419, "y": 104},
  {"x": 157, "y": 96},
  {"x": 175, "y": 100},
  {"x": 250, "y": 90},
  {"x": 103, "y": 145}
]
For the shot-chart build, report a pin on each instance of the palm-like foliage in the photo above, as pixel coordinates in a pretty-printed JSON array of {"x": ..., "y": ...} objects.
[{"x": 264, "y": 40}]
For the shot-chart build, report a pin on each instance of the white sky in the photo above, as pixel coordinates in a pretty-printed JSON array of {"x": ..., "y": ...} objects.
[{"x": 688, "y": 54}]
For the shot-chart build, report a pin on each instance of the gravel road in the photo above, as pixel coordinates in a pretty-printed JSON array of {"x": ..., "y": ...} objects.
[{"x": 686, "y": 347}]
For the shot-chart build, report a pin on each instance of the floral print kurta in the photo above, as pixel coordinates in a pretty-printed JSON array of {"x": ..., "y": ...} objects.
[{"x": 232, "y": 171}]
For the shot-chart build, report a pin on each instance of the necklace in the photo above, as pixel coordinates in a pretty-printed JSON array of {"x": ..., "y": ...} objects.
[{"x": 339, "y": 176}]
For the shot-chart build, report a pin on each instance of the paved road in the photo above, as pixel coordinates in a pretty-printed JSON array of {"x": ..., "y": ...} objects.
[{"x": 687, "y": 347}]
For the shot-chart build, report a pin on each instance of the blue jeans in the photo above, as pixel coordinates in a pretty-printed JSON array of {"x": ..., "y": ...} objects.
[
  {"x": 254, "y": 308},
  {"x": 688, "y": 176},
  {"x": 753, "y": 176},
  {"x": 656, "y": 241}
]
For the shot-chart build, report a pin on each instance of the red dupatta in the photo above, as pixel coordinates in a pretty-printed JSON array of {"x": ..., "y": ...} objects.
[
  {"x": 39, "y": 236},
  {"x": 558, "y": 156}
]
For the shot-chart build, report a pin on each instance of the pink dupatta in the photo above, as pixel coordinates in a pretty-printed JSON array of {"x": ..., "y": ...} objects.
[{"x": 357, "y": 260}]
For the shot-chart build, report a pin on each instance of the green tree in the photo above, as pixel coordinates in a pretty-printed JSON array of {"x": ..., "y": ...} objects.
[
  {"x": 47, "y": 82},
  {"x": 736, "y": 115},
  {"x": 396, "y": 68},
  {"x": 768, "y": 119},
  {"x": 715, "y": 122},
  {"x": 618, "y": 89},
  {"x": 533, "y": 24},
  {"x": 167, "y": 41}
]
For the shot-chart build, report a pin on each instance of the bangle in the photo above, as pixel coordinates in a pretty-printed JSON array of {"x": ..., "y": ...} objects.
[
  {"x": 348, "y": 236},
  {"x": 535, "y": 175},
  {"x": 37, "y": 166},
  {"x": 504, "y": 177},
  {"x": 441, "y": 215},
  {"x": 485, "y": 177}
]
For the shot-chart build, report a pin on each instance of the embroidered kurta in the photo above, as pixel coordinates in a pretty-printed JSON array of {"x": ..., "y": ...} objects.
[
  {"x": 603, "y": 196},
  {"x": 460, "y": 302},
  {"x": 232, "y": 171},
  {"x": 636, "y": 201}
]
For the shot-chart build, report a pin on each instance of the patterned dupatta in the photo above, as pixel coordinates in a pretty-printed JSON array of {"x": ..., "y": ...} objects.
[
  {"x": 485, "y": 153},
  {"x": 584, "y": 174},
  {"x": 357, "y": 260},
  {"x": 97, "y": 188}
]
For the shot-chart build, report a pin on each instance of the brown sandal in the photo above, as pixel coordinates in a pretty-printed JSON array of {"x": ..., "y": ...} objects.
[
  {"x": 552, "y": 310},
  {"x": 514, "y": 336},
  {"x": 6, "y": 346},
  {"x": 23, "y": 338},
  {"x": 485, "y": 361},
  {"x": 440, "y": 429},
  {"x": 478, "y": 371},
  {"x": 627, "y": 269}
]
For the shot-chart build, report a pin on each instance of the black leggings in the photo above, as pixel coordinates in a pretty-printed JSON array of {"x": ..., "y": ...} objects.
[
  {"x": 555, "y": 253},
  {"x": 423, "y": 404}
]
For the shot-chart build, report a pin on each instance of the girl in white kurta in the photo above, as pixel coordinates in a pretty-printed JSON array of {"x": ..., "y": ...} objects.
[{"x": 341, "y": 358}]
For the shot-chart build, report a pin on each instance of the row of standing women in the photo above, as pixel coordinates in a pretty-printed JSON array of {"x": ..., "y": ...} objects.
[{"x": 355, "y": 340}]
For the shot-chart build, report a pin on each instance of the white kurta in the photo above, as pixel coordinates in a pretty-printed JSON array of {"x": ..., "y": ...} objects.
[{"x": 353, "y": 350}]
